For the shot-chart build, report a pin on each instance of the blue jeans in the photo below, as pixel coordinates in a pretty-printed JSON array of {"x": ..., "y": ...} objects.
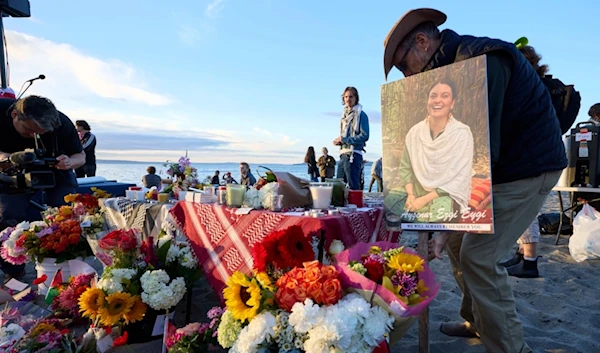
[{"x": 350, "y": 172}]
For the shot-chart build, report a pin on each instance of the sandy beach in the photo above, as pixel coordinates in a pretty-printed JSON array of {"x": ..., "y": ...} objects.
[{"x": 560, "y": 311}]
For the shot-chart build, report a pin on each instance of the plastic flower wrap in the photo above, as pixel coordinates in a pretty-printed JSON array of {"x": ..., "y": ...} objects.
[{"x": 397, "y": 279}]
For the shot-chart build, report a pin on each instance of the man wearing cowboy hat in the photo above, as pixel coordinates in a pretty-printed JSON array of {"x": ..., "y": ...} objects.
[{"x": 527, "y": 157}]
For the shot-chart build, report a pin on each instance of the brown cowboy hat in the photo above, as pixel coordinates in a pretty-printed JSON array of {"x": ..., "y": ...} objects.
[{"x": 405, "y": 24}]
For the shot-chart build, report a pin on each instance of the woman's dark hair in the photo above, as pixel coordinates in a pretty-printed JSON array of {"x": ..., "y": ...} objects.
[
  {"x": 310, "y": 155},
  {"x": 83, "y": 124},
  {"x": 534, "y": 59},
  {"x": 151, "y": 170},
  {"x": 353, "y": 90},
  {"x": 594, "y": 110},
  {"x": 445, "y": 81}
]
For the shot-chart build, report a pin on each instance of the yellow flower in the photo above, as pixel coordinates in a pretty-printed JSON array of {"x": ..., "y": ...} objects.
[
  {"x": 264, "y": 280},
  {"x": 421, "y": 287},
  {"x": 71, "y": 198},
  {"x": 100, "y": 194},
  {"x": 118, "y": 305},
  {"x": 407, "y": 263},
  {"x": 42, "y": 328},
  {"x": 375, "y": 250},
  {"x": 137, "y": 312},
  {"x": 242, "y": 297},
  {"x": 90, "y": 301}
]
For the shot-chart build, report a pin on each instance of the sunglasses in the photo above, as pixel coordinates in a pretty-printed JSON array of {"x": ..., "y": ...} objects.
[{"x": 401, "y": 65}]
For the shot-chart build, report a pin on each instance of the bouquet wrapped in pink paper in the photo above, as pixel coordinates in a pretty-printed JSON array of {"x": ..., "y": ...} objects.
[{"x": 390, "y": 276}]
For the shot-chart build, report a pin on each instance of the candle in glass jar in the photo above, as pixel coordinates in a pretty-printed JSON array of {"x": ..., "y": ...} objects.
[
  {"x": 321, "y": 194},
  {"x": 235, "y": 195},
  {"x": 163, "y": 197}
]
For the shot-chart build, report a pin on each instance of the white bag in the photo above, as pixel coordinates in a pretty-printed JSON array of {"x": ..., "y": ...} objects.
[{"x": 585, "y": 242}]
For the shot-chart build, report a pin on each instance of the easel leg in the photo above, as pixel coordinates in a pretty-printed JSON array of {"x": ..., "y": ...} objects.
[{"x": 424, "y": 317}]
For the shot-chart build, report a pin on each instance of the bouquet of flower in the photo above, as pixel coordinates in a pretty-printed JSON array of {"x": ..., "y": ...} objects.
[
  {"x": 66, "y": 302},
  {"x": 304, "y": 310},
  {"x": 393, "y": 277},
  {"x": 138, "y": 274},
  {"x": 38, "y": 240},
  {"x": 196, "y": 337},
  {"x": 48, "y": 335},
  {"x": 184, "y": 175}
]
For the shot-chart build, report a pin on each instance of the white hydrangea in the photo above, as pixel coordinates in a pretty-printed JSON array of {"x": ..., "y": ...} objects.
[
  {"x": 229, "y": 330},
  {"x": 112, "y": 282},
  {"x": 173, "y": 253},
  {"x": 187, "y": 258},
  {"x": 257, "y": 335},
  {"x": 158, "y": 293}
]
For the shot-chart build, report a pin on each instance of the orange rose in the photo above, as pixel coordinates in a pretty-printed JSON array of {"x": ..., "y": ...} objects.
[
  {"x": 311, "y": 264},
  {"x": 300, "y": 293},
  {"x": 312, "y": 275},
  {"x": 285, "y": 299},
  {"x": 331, "y": 291},
  {"x": 329, "y": 272},
  {"x": 291, "y": 283},
  {"x": 314, "y": 292}
]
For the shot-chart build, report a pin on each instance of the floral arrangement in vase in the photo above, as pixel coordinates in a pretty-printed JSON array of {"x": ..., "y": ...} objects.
[
  {"x": 138, "y": 276},
  {"x": 196, "y": 337},
  {"x": 184, "y": 176},
  {"x": 293, "y": 303}
]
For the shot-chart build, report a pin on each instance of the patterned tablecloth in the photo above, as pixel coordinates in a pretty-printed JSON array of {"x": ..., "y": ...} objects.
[
  {"x": 222, "y": 239},
  {"x": 121, "y": 213}
]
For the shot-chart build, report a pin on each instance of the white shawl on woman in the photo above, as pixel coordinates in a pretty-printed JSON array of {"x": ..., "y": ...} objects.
[{"x": 444, "y": 163}]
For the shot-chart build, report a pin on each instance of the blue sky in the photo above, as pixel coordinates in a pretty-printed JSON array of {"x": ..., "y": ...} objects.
[{"x": 258, "y": 80}]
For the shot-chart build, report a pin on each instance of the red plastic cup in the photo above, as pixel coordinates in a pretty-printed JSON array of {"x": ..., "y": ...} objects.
[
  {"x": 135, "y": 188},
  {"x": 355, "y": 197}
]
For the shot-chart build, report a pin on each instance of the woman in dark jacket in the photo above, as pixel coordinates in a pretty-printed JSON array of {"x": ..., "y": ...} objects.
[
  {"x": 311, "y": 161},
  {"x": 88, "y": 141}
]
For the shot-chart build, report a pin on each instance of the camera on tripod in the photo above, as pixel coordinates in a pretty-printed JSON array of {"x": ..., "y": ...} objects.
[{"x": 28, "y": 170}]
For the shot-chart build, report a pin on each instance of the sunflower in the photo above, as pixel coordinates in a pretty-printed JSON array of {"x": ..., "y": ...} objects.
[
  {"x": 42, "y": 328},
  {"x": 137, "y": 312},
  {"x": 90, "y": 301},
  {"x": 118, "y": 305},
  {"x": 406, "y": 262},
  {"x": 242, "y": 296}
]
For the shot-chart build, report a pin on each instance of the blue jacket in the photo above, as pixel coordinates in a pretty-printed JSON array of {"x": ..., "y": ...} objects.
[
  {"x": 358, "y": 140},
  {"x": 529, "y": 138}
]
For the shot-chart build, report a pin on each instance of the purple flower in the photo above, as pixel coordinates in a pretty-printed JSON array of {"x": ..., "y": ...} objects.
[
  {"x": 214, "y": 312},
  {"x": 46, "y": 231},
  {"x": 6, "y": 233},
  {"x": 215, "y": 333},
  {"x": 407, "y": 283},
  {"x": 377, "y": 258},
  {"x": 203, "y": 328}
]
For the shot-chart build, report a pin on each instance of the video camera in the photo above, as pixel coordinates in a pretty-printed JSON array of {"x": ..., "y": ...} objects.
[{"x": 28, "y": 170}]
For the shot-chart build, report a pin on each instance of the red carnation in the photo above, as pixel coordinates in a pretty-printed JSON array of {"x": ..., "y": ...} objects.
[
  {"x": 375, "y": 271},
  {"x": 295, "y": 247}
]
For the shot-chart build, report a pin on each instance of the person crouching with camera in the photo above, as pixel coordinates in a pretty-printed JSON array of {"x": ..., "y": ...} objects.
[{"x": 35, "y": 123}]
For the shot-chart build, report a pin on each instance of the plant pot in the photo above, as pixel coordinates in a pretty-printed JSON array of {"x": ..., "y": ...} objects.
[
  {"x": 49, "y": 267},
  {"x": 141, "y": 331}
]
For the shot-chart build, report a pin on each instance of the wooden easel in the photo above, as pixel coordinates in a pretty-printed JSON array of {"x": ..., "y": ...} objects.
[{"x": 424, "y": 317}]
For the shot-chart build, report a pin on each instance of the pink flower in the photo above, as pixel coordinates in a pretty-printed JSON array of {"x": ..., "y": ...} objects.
[
  {"x": 15, "y": 260},
  {"x": 81, "y": 280},
  {"x": 6, "y": 233},
  {"x": 190, "y": 329}
]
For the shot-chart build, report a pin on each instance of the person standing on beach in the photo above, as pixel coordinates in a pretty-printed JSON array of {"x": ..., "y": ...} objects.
[
  {"x": 246, "y": 175},
  {"x": 88, "y": 141},
  {"x": 525, "y": 167},
  {"x": 311, "y": 161},
  {"x": 354, "y": 134},
  {"x": 377, "y": 175},
  {"x": 151, "y": 179},
  {"x": 326, "y": 165}
]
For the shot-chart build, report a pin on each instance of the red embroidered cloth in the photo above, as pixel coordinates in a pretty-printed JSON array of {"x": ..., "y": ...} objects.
[{"x": 222, "y": 240}]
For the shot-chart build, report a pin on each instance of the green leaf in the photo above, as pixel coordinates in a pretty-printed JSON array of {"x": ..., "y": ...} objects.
[{"x": 162, "y": 251}]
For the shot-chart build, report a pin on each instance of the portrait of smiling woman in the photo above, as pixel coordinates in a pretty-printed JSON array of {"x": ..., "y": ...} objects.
[
  {"x": 437, "y": 163},
  {"x": 435, "y": 137}
]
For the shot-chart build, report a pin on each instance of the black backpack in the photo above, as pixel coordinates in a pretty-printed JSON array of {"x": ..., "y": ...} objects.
[{"x": 566, "y": 101}]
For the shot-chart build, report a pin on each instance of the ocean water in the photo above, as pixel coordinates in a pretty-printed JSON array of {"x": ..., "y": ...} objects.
[{"x": 132, "y": 172}]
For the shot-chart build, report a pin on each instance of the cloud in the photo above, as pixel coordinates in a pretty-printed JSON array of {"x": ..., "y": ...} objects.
[
  {"x": 154, "y": 142},
  {"x": 214, "y": 8},
  {"x": 68, "y": 69},
  {"x": 188, "y": 35},
  {"x": 262, "y": 131}
]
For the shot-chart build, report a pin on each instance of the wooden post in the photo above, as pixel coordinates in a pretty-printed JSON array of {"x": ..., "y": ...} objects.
[{"x": 424, "y": 317}]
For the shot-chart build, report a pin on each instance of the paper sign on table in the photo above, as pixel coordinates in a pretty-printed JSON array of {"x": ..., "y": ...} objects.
[
  {"x": 16, "y": 285},
  {"x": 78, "y": 267},
  {"x": 105, "y": 344},
  {"x": 243, "y": 210},
  {"x": 159, "y": 324}
]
